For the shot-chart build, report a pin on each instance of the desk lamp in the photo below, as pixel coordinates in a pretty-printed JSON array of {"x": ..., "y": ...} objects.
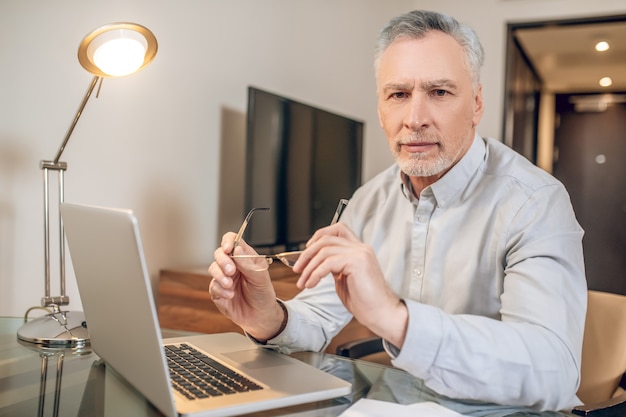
[{"x": 112, "y": 50}]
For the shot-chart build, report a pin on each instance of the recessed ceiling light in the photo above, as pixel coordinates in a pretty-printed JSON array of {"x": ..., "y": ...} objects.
[
  {"x": 602, "y": 46},
  {"x": 605, "y": 81}
]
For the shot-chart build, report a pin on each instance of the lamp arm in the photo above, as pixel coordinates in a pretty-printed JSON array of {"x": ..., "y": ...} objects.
[{"x": 95, "y": 80}]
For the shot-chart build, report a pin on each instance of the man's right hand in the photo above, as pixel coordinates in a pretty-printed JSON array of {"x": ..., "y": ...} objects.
[{"x": 242, "y": 292}]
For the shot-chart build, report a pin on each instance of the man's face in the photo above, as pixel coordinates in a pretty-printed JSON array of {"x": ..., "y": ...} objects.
[{"x": 427, "y": 105}]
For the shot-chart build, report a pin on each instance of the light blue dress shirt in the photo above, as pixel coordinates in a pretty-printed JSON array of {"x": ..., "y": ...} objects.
[{"x": 489, "y": 263}]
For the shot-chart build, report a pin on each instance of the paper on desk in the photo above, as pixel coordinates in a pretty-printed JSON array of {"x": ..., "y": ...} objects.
[{"x": 374, "y": 408}]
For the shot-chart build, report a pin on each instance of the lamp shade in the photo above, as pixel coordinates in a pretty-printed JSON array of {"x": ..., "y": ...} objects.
[{"x": 117, "y": 49}]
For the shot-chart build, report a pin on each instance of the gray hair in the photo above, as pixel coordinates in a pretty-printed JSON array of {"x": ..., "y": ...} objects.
[{"x": 418, "y": 23}]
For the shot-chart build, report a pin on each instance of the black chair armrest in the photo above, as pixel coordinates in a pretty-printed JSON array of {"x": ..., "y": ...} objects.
[
  {"x": 361, "y": 347},
  {"x": 615, "y": 407}
]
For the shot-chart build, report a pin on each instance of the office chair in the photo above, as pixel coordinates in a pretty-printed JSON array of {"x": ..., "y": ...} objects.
[{"x": 603, "y": 368}]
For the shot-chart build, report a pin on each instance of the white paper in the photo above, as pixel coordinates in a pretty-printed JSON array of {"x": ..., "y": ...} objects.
[{"x": 374, "y": 408}]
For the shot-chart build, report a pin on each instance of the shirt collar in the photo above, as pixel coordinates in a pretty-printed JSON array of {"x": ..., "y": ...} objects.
[
  {"x": 448, "y": 187},
  {"x": 406, "y": 187}
]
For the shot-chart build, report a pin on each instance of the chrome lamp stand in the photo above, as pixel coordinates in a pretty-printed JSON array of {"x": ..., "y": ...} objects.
[{"x": 59, "y": 328}]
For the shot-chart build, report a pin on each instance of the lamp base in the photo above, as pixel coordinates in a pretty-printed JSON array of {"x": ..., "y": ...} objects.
[{"x": 57, "y": 329}]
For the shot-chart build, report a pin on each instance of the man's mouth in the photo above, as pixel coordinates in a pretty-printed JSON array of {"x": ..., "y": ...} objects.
[{"x": 418, "y": 147}]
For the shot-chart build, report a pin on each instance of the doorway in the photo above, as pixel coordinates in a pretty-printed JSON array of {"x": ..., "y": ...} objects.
[
  {"x": 587, "y": 147},
  {"x": 590, "y": 148}
]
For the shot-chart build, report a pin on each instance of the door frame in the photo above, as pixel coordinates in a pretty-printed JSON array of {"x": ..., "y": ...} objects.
[{"x": 523, "y": 86}]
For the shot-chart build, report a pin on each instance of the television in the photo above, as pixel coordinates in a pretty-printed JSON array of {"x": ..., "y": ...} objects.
[{"x": 300, "y": 161}]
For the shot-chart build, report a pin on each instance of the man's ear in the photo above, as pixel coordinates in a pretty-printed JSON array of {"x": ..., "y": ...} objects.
[{"x": 478, "y": 105}]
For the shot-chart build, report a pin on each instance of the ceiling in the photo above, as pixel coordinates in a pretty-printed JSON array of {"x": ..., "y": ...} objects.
[{"x": 565, "y": 58}]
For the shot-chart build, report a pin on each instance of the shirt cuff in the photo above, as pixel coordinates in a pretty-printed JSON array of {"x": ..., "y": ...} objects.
[{"x": 423, "y": 339}]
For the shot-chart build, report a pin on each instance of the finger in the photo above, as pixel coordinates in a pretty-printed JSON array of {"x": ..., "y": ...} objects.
[
  {"x": 337, "y": 230},
  {"x": 228, "y": 240},
  {"x": 222, "y": 255},
  {"x": 243, "y": 249},
  {"x": 248, "y": 261},
  {"x": 314, "y": 247},
  {"x": 252, "y": 268},
  {"x": 212, "y": 290},
  {"x": 327, "y": 260},
  {"x": 225, "y": 280},
  {"x": 218, "y": 292},
  {"x": 224, "y": 264}
]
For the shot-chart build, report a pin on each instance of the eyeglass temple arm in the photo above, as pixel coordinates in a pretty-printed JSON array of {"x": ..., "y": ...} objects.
[
  {"x": 242, "y": 229},
  {"x": 340, "y": 207}
]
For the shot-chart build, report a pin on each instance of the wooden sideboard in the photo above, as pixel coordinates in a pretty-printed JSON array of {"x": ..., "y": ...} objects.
[{"x": 184, "y": 303}]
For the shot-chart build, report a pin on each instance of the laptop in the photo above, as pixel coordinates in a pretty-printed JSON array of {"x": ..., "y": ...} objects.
[{"x": 118, "y": 302}]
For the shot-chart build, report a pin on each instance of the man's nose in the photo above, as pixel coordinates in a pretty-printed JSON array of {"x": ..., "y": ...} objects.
[{"x": 418, "y": 113}]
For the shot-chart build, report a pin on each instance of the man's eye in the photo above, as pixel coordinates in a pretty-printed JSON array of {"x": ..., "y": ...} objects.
[
  {"x": 440, "y": 93},
  {"x": 398, "y": 95}
]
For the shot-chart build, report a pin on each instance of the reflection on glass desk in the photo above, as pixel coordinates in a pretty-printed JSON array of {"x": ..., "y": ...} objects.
[{"x": 77, "y": 383}]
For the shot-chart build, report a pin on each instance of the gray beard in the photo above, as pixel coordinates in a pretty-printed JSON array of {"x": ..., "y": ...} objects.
[{"x": 418, "y": 166}]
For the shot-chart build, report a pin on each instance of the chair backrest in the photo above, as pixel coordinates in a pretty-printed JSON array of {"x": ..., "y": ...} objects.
[{"x": 604, "y": 347}]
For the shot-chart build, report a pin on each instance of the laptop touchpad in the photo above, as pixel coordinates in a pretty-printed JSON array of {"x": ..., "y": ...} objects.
[{"x": 257, "y": 358}]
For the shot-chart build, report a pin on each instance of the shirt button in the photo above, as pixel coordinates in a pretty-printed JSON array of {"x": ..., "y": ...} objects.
[
  {"x": 421, "y": 219},
  {"x": 418, "y": 272}
]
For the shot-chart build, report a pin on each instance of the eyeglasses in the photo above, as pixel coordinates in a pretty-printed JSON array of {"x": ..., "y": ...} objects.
[{"x": 287, "y": 258}]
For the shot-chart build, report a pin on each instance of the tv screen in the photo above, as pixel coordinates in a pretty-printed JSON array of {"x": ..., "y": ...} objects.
[{"x": 300, "y": 161}]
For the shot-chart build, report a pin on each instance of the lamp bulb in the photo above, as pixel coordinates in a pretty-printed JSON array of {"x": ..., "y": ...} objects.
[{"x": 119, "y": 57}]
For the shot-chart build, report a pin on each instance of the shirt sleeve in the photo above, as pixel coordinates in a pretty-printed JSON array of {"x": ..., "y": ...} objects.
[
  {"x": 531, "y": 356},
  {"x": 315, "y": 317}
]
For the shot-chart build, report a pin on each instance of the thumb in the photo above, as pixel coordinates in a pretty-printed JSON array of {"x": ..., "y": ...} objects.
[{"x": 248, "y": 261}]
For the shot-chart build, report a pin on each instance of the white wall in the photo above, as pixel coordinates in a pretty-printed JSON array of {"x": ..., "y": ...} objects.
[
  {"x": 167, "y": 141},
  {"x": 156, "y": 141}
]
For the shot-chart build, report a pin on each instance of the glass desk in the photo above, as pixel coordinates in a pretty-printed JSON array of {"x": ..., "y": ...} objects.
[{"x": 35, "y": 382}]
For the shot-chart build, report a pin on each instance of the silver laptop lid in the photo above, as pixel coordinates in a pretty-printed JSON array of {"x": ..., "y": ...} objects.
[{"x": 105, "y": 247}]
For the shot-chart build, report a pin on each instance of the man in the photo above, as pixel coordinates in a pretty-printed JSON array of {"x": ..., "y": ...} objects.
[{"x": 464, "y": 257}]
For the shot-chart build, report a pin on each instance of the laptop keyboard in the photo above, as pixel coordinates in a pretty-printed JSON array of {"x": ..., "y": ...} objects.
[{"x": 195, "y": 375}]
